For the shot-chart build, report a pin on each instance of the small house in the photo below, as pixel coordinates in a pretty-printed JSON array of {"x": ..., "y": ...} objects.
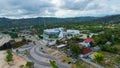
[
  {"x": 86, "y": 50},
  {"x": 108, "y": 43},
  {"x": 96, "y": 48},
  {"x": 89, "y": 41}
]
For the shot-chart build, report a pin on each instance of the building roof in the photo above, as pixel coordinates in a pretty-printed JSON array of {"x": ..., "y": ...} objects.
[
  {"x": 51, "y": 31},
  {"x": 25, "y": 31},
  {"x": 86, "y": 50},
  {"x": 73, "y": 31},
  {"x": 89, "y": 40},
  {"x": 96, "y": 48},
  {"x": 84, "y": 44},
  {"x": 52, "y": 43},
  {"x": 108, "y": 43},
  {"x": 60, "y": 46},
  {"x": 54, "y": 30}
]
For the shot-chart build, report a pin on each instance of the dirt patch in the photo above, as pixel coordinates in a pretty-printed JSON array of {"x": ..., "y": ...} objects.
[{"x": 18, "y": 61}]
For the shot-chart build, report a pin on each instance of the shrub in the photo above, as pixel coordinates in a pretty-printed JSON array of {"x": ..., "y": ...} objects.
[
  {"x": 21, "y": 66},
  {"x": 109, "y": 48},
  {"x": 98, "y": 56},
  {"x": 53, "y": 64},
  {"x": 29, "y": 64}
]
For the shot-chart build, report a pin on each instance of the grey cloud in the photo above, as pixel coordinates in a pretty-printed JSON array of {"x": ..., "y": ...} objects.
[
  {"x": 93, "y": 6},
  {"x": 28, "y": 7},
  {"x": 33, "y": 8},
  {"x": 79, "y": 5}
]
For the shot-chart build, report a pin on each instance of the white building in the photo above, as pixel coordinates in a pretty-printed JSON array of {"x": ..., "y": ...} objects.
[
  {"x": 73, "y": 32},
  {"x": 85, "y": 44},
  {"x": 92, "y": 34},
  {"x": 61, "y": 46},
  {"x": 58, "y": 33},
  {"x": 51, "y": 43}
]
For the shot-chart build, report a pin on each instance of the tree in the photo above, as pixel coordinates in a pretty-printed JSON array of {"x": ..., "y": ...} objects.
[
  {"x": 12, "y": 34},
  {"x": 53, "y": 64},
  {"x": 109, "y": 48},
  {"x": 88, "y": 36},
  {"x": 96, "y": 38},
  {"x": 9, "y": 56},
  {"x": 17, "y": 51},
  {"x": 98, "y": 57},
  {"x": 100, "y": 39},
  {"x": 74, "y": 47},
  {"x": 76, "y": 37}
]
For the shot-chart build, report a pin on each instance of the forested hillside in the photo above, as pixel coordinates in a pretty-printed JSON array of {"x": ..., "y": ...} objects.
[{"x": 49, "y": 21}]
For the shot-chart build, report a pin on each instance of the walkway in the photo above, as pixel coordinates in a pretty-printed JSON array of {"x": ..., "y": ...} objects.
[{"x": 92, "y": 63}]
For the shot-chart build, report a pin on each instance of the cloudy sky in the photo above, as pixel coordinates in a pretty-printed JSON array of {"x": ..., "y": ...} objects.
[{"x": 58, "y": 8}]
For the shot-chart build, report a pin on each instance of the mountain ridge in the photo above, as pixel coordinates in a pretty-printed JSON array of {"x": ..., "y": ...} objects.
[{"x": 6, "y": 22}]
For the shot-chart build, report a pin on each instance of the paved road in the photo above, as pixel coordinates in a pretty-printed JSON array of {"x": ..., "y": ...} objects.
[
  {"x": 5, "y": 38},
  {"x": 41, "y": 58}
]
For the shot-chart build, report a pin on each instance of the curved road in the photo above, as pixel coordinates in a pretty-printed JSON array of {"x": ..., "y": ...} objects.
[{"x": 41, "y": 58}]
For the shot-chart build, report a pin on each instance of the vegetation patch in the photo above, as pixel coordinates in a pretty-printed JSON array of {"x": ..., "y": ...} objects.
[
  {"x": 9, "y": 56},
  {"x": 66, "y": 59}
]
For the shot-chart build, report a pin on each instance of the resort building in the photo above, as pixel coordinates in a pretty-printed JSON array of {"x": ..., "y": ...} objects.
[
  {"x": 59, "y": 33},
  {"x": 53, "y": 33}
]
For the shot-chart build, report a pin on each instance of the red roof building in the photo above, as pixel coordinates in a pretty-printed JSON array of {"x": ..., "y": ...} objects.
[
  {"x": 86, "y": 50},
  {"x": 89, "y": 40}
]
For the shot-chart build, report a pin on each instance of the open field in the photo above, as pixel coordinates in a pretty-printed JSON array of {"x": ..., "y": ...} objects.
[
  {"x": 110, "y": 60},
  {"x": 82, "y": 64}
]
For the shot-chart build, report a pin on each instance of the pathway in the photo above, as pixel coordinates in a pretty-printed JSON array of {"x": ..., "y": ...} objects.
[{"x": 92, "y": 63}]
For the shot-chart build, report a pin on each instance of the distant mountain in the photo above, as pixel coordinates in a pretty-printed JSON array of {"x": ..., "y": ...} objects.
[
  {"x": 5, "y": 22},
  {"x": 113, "y": 19},
  {"x": 8, "y": 23}
]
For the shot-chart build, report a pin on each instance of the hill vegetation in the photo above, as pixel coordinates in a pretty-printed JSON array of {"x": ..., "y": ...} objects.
[
  {"x": 5, "y": 22},
  {"x": 41, "y": 23}
]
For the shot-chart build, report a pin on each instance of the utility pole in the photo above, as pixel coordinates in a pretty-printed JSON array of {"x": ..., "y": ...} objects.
[
  {"x": 112, "y": 38},
  {"x": 44, "y": 23}
]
